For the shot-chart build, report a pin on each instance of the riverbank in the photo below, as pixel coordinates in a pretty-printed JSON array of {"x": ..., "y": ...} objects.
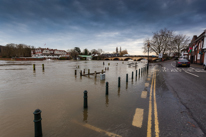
[
  {"x": 23, "y": 59},
  {"x": 8, "y": 59}
]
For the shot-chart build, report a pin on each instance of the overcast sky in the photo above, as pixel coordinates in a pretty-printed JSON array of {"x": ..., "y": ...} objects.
[{"x": 97, "y": 24}]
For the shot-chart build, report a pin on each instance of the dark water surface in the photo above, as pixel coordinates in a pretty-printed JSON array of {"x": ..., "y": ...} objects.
[{"x": 59, "y": 94}]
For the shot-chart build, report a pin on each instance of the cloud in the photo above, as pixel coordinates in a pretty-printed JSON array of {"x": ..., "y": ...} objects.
[{"x": 96, "y": 24}]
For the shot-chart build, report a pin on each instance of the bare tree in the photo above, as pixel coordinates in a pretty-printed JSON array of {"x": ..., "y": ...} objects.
[
  {"x": 77, "y": 49},
  {"x": 94, "y": 51},
  {"x": 180, "y": 42},
  {"x": 123, "y": 52},
  {"x": 9, "y": 50},
  {"x": 160, "y": 42},
  {"x": 73, "y": 53}
]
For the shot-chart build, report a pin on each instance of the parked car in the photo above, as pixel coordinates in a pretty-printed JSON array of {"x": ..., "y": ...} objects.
[
  {"x": 176, "y": 57},
  {"x": 204, "y": 66},
  {"x": 182, "y": 62}
]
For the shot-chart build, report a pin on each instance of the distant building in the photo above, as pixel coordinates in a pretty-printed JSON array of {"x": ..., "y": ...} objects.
[
  {"x": 48, "y": 53},
  {"x": 86, "y": 57},
  {"x": 197, "y": 49},
  {"x": 184, "y": 53}
]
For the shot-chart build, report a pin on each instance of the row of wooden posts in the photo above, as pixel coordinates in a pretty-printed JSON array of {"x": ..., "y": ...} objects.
[
  {"x": 95, "y": 72},
  {"x": 37, "y": 112},
  {"x": 34, "y": 67}
]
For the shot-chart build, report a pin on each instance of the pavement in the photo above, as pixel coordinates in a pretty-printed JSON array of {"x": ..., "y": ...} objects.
[{"x": 196, "y": 66}]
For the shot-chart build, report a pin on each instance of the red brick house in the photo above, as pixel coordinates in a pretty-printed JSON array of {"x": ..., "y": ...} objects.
[{"x": 197, "y": 49}]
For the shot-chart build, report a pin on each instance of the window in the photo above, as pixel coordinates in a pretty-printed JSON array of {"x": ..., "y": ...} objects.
[{"x": 198, "y": 56}]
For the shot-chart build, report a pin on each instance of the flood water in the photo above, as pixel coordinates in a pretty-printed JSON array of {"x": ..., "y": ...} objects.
[{"x": 59, "y": 94}]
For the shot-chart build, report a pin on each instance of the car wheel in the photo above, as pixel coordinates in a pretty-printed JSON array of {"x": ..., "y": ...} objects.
[
  {"x": 188, "y": 65},
  {"x": 204, "y": 67}
]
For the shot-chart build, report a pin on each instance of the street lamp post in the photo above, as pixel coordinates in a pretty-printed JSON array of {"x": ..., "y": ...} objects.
[{"x": 148, "y": 45}]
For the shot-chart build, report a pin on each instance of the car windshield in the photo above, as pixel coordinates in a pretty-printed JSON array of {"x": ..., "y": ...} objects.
[{"x": 183, "y": 60}]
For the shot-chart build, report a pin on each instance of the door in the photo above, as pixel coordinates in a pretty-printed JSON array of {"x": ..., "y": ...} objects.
[{"x": 192, "y": 59}]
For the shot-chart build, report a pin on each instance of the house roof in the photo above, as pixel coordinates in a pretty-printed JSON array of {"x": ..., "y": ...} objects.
[{"x": 195, "y": 38}]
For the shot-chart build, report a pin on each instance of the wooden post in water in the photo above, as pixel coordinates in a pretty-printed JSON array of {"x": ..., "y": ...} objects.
[
  {"x": 88, "y": 71},
  {"x": 34, "y": 67},
  {"x": 75, "y": 72},
  {"x": 95, "y": 74},
  {"x": 80, "y": 73},
  {"x": 102, "y": 71},
  {"x": 84, "y": 71},
  {"x": 132, "y": 74},
  {"x": 43, "y": 67},
  {"x": 118, "y": 81}
]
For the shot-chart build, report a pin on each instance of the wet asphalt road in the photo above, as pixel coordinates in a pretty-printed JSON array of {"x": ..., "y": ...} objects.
[{"x": 181, "y": 100}]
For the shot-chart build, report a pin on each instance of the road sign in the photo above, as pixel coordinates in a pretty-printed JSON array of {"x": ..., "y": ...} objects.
[{"x": 160, "y": 55}]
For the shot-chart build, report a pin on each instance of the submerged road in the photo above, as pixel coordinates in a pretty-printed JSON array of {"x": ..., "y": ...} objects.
[{"x": 172, "y": 104}]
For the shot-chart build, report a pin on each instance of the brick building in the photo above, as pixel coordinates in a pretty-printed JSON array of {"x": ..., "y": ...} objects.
[{"x": 197, "y": 49}]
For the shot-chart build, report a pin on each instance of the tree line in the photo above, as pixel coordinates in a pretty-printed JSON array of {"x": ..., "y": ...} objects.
[
  {"x": 77, "y": 51},
  {"x": 16, "y": 50},
  {"x": 166, "y": 42}
]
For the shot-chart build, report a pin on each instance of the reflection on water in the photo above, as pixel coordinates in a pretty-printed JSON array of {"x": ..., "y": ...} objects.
[
  {"x": 57, "y": 91},
  {"x": 118, "y": 92},
  {"x": 85, "y": 115},
  {"x": 107, "y": 100}
]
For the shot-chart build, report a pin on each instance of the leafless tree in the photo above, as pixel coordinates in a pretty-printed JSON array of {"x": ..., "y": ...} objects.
[
  {"x": 94, "y": 51},
  {"x": 123, "y": 52},
  {"x": 16, "y": 50},
  {"x": 160, "y": 42},
  {"x": 73, "y": 53},
  {"x": 180, "y": 42}
]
